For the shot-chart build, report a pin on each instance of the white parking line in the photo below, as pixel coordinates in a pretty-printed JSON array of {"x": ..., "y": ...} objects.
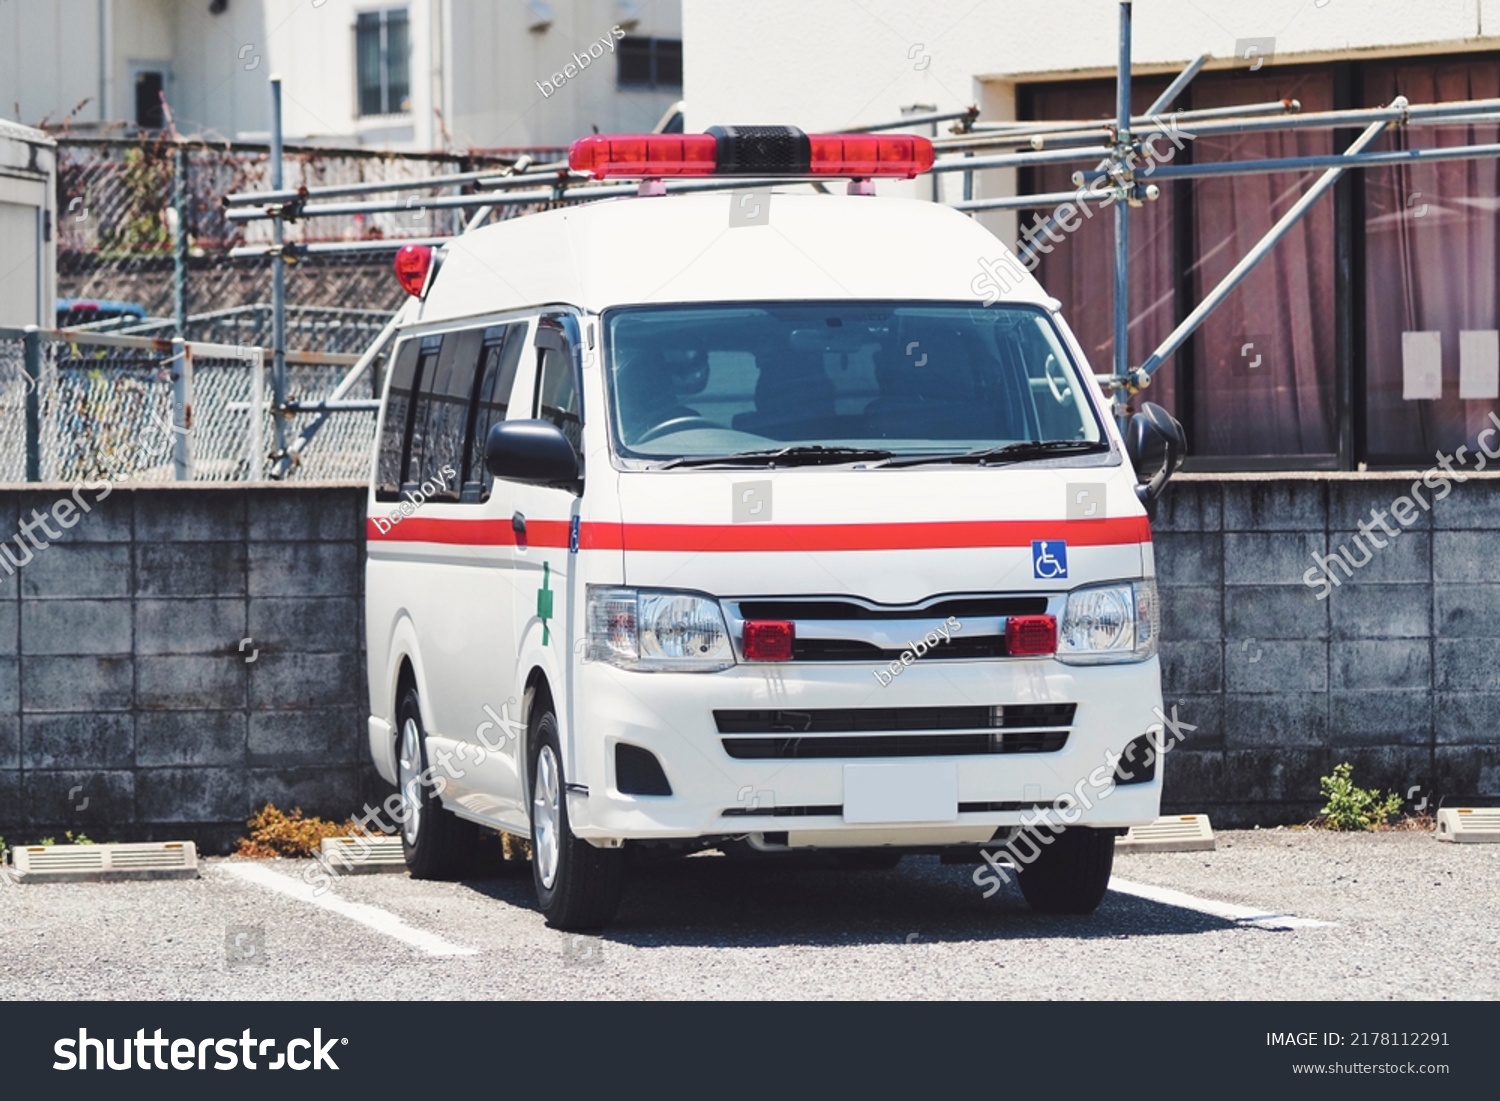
[
  {"x": 1229, "y": 911},
  {"x": 382, "y": 921}
]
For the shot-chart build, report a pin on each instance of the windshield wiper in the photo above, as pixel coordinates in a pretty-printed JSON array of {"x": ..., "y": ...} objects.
[
  {"x": 797, "y": 455},
  {"x": 1010, "y": 453}
]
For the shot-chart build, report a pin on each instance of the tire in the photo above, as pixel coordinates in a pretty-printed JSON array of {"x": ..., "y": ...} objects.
[
  {"x": 868, "y": 860},
  {"x": 437, "y": 843},
  {"x": 578, "y": 886},
  {"x": 1071, "y": 874}
]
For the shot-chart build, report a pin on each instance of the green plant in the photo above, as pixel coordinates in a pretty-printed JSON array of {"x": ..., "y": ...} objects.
[
  {"x": 47, "y": 841},
  {"x": 1354, "y": 808},
  {"x": 79, "y": 838}
]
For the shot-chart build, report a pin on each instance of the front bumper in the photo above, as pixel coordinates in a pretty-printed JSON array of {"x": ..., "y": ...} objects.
[{"x": 716, "y": 795}]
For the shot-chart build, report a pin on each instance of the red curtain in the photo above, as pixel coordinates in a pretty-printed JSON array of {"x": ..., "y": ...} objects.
[
  {"x": 1265, "y": 368},
  {"x": 1431, "y": 253}
]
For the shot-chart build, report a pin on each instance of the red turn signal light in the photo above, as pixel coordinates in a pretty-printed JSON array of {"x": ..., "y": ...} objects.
[
  {"x": 413, "y": 262},
  {"x": 769, "y": 639},
  {"x": 1029, "y": 635}
]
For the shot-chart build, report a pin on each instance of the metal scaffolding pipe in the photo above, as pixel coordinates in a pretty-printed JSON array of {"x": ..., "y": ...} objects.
[
  {"x": 357, "y": 405},
  {"x": 1430, "y": 114},
  {"x": 1200, "y": 121},
  {"x": 551, "y": 195},
  {"x": 1178, "y": 85},
  {"x": 1027, "y": 128},
  {"x": 1330, "y": 160},
  {"x": 278, "y": 281},
  {"x": 969, "y": 113},
  {"x": 1219, "y": 121},
  {"x": 1235, "y": 168},
  {"x": 1122, "y": 209},
  {"x": 292, "y": 195}
]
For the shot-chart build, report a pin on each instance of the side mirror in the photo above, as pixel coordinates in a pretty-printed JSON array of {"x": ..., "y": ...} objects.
[
  {"x": 1156, "y": 444},
  {"x": 534, "y": 452}
]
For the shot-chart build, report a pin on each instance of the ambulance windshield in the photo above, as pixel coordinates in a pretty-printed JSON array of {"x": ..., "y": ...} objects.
[{"x": 842, "y": 382}]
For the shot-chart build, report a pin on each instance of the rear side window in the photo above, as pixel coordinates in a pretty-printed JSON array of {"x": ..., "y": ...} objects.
[
  {"x": 395, "y": 436},
  {"x": 499, "y": 359},
  {"x": 441, "y": 417}
]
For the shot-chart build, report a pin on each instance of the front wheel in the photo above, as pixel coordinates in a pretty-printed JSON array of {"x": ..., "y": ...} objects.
[
  {"x": 1070, "y": 873},
  {"x": 577, "y": 885}
]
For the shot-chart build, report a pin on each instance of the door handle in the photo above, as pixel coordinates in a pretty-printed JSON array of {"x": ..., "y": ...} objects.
[{"x": 518, "y": 524}]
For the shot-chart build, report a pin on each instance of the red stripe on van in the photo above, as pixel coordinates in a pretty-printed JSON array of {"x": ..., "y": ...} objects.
[{"x": 698, "y": 538}]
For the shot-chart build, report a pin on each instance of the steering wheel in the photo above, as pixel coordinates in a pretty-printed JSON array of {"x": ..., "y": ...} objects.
[
  {"x": 1057, "y": 380},
  {"x": 677, "y": 424}
]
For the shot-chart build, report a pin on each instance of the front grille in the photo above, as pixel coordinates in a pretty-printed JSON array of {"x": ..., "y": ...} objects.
[
  {"x": 895, "y": 745},
  {"x": 849, "y": 629},
  {"x": 848, "y": 649},
  {"x": 836, "y": 810},
  {"x": 958, "y": 607},
  {"x": 849, "y": 720},
  {"x": 862, "y": 732}
]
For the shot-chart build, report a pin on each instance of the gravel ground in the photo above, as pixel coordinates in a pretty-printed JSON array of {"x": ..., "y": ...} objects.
[{"x": 1413, "y": 919}]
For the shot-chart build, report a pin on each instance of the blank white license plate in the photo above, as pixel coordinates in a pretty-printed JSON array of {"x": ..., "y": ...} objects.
[{"x": 919, "y": 791}]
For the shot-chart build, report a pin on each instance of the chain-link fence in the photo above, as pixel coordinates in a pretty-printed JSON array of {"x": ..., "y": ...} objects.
[
  {"x": 143, "y": 222},
  {"x": 121, "y": 204},
  {"x": 111, "y": 412}
]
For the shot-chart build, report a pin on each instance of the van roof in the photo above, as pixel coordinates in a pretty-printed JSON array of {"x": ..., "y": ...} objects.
[{"x": 682, "y": 248}]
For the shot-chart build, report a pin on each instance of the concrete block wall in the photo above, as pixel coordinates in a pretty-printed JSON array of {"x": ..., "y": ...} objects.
[
  {"x": 122, "y": 681},
  {"x": 1396, "y": 670},
  {"x": 128, "y": 709}
]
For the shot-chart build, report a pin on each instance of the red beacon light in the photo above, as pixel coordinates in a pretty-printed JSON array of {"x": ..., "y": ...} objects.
[
  {"x": 1030, "y": 635},
  {"x": 752, "y": 151},
  {"x": 769, "y": 639},
  {"x": 413, "y": 265}
]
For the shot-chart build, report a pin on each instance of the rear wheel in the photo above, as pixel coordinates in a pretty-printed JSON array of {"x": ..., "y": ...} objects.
[
  {"x": 577, "y": 885},
  {"x": 437, "y": 843},
  {"x": 1071, "y": 873}
]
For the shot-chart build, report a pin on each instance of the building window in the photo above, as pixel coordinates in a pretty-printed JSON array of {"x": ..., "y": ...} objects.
[
  {"x": 383, "y": 71},
  {"x": 149, "y": 85},
  {"x": 650, "y": 62}
]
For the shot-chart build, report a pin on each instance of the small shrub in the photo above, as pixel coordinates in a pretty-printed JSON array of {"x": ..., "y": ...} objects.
[
  {"x": 273, "y": 833},
  {"x": 514, "y": 847},
  {"x": 80, "y": 838},
  {"x": 1354, "y": 808}
]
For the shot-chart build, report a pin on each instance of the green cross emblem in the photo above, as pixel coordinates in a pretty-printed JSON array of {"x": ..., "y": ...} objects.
[{"x": 544, "y": 602}]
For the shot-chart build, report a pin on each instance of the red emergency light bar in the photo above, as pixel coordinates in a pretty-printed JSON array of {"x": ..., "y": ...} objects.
[{"x": 752, "y": 151}]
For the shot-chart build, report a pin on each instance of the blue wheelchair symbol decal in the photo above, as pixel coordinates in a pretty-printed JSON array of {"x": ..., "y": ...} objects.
[{"x": 1049, "y": 558}]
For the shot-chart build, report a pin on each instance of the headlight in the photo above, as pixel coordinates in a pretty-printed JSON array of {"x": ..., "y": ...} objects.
[
  {"x": 656, "y": 630},
  {"x": 1107, "y": 623}
]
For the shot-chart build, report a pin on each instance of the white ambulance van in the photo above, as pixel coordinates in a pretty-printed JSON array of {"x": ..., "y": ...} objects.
[{"x": 741, "y": 520}]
